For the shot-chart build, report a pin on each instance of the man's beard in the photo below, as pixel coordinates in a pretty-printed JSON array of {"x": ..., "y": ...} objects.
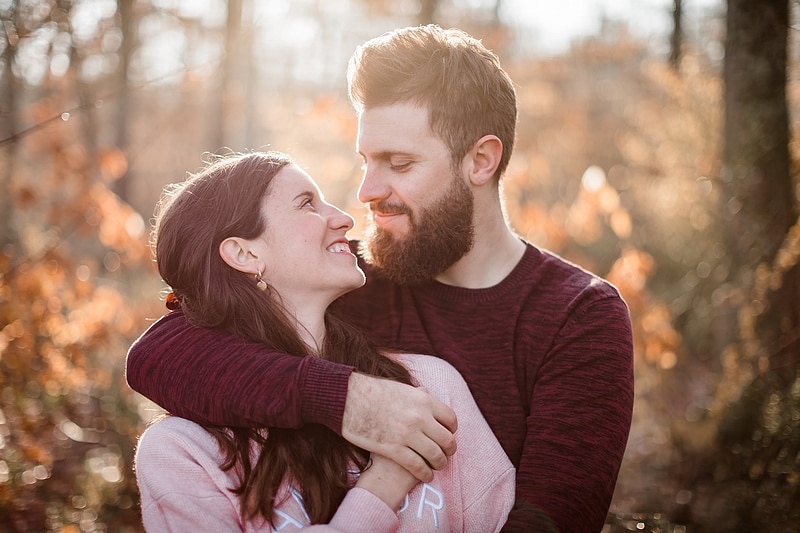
[{"x": 439, "y": 235}]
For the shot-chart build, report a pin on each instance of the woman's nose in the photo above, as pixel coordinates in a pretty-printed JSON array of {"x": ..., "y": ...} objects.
[{"x": 340, "y": 220}]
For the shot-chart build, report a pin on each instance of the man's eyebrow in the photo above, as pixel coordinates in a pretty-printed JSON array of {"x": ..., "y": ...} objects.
[{"x": 388, "y": 154}]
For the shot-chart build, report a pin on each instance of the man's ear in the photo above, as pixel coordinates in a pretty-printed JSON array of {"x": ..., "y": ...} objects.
[
  {"x": 237, "y": 253},
  {"x": 484, "y": 158}
]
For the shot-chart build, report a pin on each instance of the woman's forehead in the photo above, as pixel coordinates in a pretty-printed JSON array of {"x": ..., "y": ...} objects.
[{"x": 293, "y": 180}]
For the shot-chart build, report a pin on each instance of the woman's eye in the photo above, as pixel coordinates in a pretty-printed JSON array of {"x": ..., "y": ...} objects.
[{"x": 307, "y": 203}]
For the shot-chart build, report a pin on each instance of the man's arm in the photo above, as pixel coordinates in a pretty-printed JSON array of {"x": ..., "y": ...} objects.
[
  {"x": 213, "y": 377},
  {"x": 580, "y": 417}
]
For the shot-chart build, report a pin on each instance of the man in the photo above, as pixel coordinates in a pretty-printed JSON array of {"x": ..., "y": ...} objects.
[{"x": 544, "y": 346}]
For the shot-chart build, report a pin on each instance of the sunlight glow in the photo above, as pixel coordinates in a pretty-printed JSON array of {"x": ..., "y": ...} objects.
[
  {"x": 86, "y": 17},
  {"x": 163, "y": 46},
  {"x": 553, "y": 25},
  {"x": 593, "y": 178}
]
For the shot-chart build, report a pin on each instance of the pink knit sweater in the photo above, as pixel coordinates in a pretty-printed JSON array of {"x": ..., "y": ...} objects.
[{"x": 183, "y": 487}]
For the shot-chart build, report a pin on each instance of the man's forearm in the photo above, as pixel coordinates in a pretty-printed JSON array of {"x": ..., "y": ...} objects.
[{"x": 212, "y": 377}]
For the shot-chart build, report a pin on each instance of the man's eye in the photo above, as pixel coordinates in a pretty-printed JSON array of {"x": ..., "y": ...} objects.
[{"x": 399, "y": 167}]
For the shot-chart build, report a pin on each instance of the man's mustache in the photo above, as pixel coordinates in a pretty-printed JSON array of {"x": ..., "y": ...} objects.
[{"x": 386, "y": 208}]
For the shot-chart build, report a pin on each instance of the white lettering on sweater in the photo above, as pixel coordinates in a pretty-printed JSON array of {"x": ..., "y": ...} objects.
[
  {"x": 425, "y": 502},
  {"x": 287, "y": 521},
  {"x": 429, "y": 498}
]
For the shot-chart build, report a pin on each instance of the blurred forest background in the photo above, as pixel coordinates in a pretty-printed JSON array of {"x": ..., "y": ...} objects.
[{"x": 666, "y": 164}]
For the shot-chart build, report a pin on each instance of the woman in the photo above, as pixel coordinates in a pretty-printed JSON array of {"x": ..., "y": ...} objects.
[{"x": 249, "y": 245}]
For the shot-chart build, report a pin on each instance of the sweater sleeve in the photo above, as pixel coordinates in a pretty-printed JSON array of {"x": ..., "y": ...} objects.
[
  {"x": 360, "y": 512},
  {"x": 183, "y": 489},
  {"x": 580, "y": 416},
  {"x": 479, "y": 474},
  {"x": 177, "y": 365},
  {"x": 180, "y": 483}
]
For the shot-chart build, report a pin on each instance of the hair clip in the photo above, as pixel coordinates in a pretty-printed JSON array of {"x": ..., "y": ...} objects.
[{"x": 173, "y": 302}]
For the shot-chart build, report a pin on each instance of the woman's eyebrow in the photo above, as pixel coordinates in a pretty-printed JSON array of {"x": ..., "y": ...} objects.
[{"x": 305, "y": 194}]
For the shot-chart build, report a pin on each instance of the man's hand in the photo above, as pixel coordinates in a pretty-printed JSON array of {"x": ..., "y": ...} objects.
[{"x": 400, "y": 422}]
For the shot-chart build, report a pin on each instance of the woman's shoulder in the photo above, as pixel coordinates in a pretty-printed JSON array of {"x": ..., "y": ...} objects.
[
  {"x": 436, "y": 375},
  {"x": 171, "y": 432},
  {"x": 424, "y": 363},
  {"x": 172, "y": 424}
]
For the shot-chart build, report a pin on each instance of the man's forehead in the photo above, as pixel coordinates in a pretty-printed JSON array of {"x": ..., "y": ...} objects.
[
  {"x": 395, "y": 128},
  {"x": 402, "y": 113}
]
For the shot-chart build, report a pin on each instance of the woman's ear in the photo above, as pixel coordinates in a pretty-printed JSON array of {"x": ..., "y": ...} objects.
[
  {"x": 238, "y": 254},
  {"x": 485, "y": 158}
]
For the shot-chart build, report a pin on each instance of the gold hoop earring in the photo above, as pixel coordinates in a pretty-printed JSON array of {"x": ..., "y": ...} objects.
[{"x": 260, "y": 283}]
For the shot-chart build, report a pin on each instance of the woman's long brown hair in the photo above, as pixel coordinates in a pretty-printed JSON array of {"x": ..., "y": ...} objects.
[{"x": 193, "y": 218}]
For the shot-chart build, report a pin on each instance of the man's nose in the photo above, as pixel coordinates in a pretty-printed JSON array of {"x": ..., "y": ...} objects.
[{"x": 373, "y": 185}]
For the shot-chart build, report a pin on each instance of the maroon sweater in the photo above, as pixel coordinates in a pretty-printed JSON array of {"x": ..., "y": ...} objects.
[{"x": 547, "y": 354}]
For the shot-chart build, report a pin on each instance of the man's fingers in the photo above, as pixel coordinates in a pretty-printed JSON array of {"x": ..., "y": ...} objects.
[
  {"x": 414, "y": 463},
  {"x": 446, "y": 416},
  {"x": 443, "y": 439},
  {"x": 430, "y": 451},
  {"x": 441, "y": 430}
]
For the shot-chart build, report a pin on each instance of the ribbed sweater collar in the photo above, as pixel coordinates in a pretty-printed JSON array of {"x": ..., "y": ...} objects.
[{"x": 521, "y": 272}]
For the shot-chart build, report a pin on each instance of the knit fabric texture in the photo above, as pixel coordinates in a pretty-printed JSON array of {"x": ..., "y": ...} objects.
[{"x": 183, "y": 487}]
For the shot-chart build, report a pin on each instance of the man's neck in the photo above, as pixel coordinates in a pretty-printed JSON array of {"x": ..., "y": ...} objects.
[{"x": 495, "y": 253}]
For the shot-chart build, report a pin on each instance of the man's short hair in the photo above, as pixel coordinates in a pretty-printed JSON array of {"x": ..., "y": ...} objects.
[{"x": 466, "y": 91}]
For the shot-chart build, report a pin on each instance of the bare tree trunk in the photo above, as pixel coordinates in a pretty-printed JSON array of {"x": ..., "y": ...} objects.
[
  {"x": 756, "y": 154},
  {"x": 122, "y": 137},
  {"x": 757, "y": 174},
  {"x": 498, "y": 6},
  {"x": 676, "y": 39},
  {"x": 9, "y": 125},
  {"x": 759, "y": 211},
  {"x": 427, "y": 11},
  {"x": 756, "y": 162},
  {"x": 225, "y": 112},
  {"x": 249, "y": 78},
  {"x": 83, "y": 93}
]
